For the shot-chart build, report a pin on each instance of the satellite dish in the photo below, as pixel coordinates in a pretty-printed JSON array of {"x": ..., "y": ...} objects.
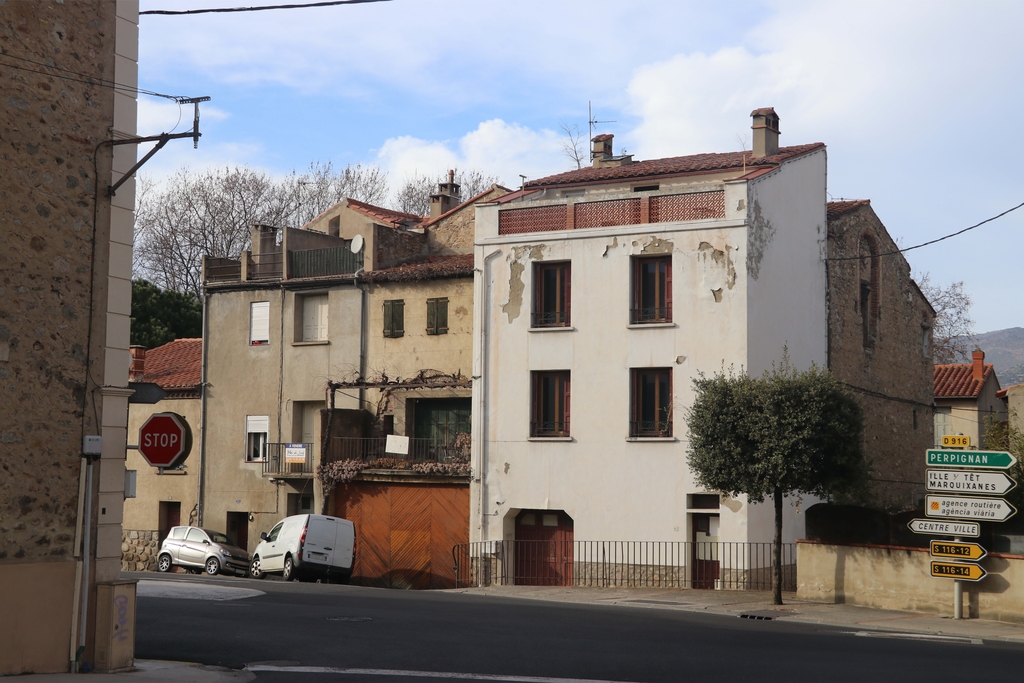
[{"x": 357, "y": 244}]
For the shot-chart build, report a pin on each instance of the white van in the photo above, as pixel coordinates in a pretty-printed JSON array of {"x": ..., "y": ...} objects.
[{"x": 306, "y": 547}]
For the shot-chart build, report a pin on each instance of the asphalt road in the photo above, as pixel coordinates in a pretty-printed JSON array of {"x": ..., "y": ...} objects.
[{"x": 314, "y": 633}]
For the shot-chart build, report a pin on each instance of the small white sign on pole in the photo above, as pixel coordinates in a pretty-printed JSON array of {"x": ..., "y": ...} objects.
[{"x": 397, "y": 445}]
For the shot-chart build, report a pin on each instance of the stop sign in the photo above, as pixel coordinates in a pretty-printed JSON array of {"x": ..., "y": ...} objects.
[{"x": 165, "y": 440}]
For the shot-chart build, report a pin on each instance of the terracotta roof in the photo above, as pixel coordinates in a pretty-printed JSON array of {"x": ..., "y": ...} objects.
[
  {"x": 763, "y": 111},
  {"x": 175, "y": 365},
  {"x": 426, "y": 268},
  {"x": 1002, "y": 392},
  {"x": 956, "y": 380},
  {"x": 385, "y": 215},
  {"x": 602, "y": 137},
  {"x": 674, "y": 166},
  {"x": 464, "y": 204},
  {"x": 837, "y": 209}
]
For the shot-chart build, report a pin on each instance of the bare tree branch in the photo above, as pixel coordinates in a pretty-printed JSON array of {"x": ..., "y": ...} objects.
[
  {"x": 574, "y": 146},
  {"x": 953, "y": 334}
]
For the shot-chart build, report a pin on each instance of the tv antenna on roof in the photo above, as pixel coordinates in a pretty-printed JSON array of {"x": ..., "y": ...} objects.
[{"x": 591, "y": 121}]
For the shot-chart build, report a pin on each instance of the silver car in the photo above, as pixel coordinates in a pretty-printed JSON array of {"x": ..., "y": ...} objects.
[{"x": 195, "y": 548}]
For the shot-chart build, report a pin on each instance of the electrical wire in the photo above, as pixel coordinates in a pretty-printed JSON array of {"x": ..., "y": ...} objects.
[
  {"x": 929, "y": 242},
  {"x": 85, "y": 78},
  {"x": 305, "y": 5}
]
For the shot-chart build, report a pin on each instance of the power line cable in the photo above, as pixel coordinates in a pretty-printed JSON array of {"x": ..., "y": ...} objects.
[
  {"x": 925, "y": 244},
  {"x": 85, "y": 78},
  {"x": 305, "y": 5}
]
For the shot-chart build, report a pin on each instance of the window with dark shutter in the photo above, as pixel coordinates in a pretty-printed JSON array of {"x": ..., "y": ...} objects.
[
  {"x": 550, "y": 409},
  {"x": 394, "y": 318},
  {"x": 552, "y": 294},
  {"x": 437, "y": 316},
  {"x": 651, "y": 402},
  {"x": 652, "y": 290}
]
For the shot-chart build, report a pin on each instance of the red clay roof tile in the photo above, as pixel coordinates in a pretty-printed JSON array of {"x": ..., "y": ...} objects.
[
  {"x": 386, "y": 215},
  {"x": 674, "y": 166},
  {"x": 956, "y": 380},
  {"x": 426, "y": 268},
  {"x": 175, "y": 365},
  {"x": 837, "y": 209}
]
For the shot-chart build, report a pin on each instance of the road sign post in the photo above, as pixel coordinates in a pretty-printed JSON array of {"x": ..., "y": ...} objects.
[
  {"x": 968, "y": 507},
  {"x": 961, "y": 571},
  {"x": 973, "y": 483},
  {"x": 165, "y": 440},
  {"x": 957, "y": 550},
  {"x": 935, "y": 527},
  {"x": 975, "y": 460}
]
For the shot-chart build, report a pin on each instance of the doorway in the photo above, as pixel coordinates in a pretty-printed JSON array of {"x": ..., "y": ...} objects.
[
  {"x": 704, "y": 556},
  {"x": 238, "y": 529},
  {"x": 300, "y": 504},
  {"x": 169, "y": 516},
  {"x": 543, "y": 548}
]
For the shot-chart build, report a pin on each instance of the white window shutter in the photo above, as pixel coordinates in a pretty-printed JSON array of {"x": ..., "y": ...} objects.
[
  {"x": 256, "y": 424},
  {"x": 314, "y": 318},
  {"x": 259, "y": 322}
]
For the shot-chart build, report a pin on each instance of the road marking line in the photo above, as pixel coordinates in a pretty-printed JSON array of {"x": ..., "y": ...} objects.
[
  {"x": 423, "y": 674},
  {"x": 965, "y": 640}
]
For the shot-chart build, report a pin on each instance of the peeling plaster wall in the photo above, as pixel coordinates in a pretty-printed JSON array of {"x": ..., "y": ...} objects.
[{"x": 785, "y": 260}]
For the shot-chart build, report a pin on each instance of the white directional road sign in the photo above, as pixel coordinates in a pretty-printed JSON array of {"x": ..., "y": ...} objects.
[
  {"x": 960, "y": 481},
  {"x": 935, "y": 527},
  {"x": 963, "y": 507}
]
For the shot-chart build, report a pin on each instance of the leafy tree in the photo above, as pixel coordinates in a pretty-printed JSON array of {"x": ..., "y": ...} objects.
[
  {"x": 788, "y": 432},
  {"x": 163, "y": 315}
]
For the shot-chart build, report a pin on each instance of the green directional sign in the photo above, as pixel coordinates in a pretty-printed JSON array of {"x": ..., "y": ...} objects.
[{"x": 980, "y": 460}]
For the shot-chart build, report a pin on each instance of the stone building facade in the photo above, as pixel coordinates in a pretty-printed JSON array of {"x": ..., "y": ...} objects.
[
  {"x": 65, "y": 306},
  {"x": 879, "y": 347}
]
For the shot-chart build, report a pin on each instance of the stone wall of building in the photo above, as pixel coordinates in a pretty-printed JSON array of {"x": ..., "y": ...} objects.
[
  {"x": 139, "y": 549},
  {"x": 394, "y": 245},
  {"x": 454, "y": 234},
  {"x": 888, "y": 368}
]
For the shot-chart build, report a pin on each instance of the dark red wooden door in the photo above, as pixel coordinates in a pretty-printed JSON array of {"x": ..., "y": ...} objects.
[
  {"x": 543, "y": 548},
  {"x": 704, "y": 555}
]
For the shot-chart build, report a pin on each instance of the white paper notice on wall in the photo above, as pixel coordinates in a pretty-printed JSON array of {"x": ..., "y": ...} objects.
[{"x": 397, "y": 445}]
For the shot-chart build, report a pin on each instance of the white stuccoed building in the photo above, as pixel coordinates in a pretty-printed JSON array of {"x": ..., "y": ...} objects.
[{"x": 600, "y": 295}]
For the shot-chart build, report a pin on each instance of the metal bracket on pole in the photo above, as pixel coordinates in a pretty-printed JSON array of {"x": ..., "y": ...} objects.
[{"x": 160, "y": 141}]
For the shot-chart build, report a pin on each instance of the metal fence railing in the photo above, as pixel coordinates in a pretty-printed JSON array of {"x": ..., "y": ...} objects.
[
  {"x": 372, "y": 449},
  {"x": 647, "y": 564},
  {"x": 289, "y": 459}
]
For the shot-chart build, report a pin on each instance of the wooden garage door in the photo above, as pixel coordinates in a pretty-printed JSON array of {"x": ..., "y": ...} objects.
[{"x": 405, "y": 532}]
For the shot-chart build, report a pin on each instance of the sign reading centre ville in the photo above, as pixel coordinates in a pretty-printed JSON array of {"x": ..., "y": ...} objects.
[
  {"x": 934, "y": 527},
  {"x": 165, "y": 440}
]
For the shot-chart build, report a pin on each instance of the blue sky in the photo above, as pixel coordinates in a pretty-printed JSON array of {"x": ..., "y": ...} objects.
[{"x": 919, "y": 103}]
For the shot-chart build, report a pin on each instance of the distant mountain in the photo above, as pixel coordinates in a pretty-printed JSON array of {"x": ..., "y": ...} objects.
[{"x": 1005, "y": 350}]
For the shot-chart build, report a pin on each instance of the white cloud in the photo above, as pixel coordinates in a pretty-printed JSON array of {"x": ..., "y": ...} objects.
[{"x": 494, "y": 147}]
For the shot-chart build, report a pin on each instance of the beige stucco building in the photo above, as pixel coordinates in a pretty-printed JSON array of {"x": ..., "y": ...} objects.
[
  {"x": 65, "y": 283},
  {"x": 323, "y": 340},
  {"x": 168, "y": 497},
  {"x": 966, "y": 399}
]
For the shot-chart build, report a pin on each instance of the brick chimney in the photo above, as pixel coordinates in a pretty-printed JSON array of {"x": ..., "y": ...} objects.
[
  {"x": 978, "y": 358},
  {"x": 446, "y": 198},
  {"x": 766, "y": 132},
  {"x": 601, "y": 152},
  {"x": 136, "y": 371}
]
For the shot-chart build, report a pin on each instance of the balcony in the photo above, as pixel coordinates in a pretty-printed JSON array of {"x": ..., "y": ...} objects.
[
  {"x": 289, "y": 460},
  {"x": 372, "y": 452}
]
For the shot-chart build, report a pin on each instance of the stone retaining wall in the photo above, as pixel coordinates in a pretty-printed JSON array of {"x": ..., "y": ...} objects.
[{"x": 138, "y": 550}]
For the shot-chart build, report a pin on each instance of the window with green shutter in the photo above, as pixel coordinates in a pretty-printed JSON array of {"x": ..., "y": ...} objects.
[
  {"x": 394, "y": 318},
  {"x": 437, "y": 316}
]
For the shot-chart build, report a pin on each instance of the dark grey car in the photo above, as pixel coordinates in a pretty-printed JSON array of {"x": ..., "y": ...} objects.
[{"x": 196, "y": 548}]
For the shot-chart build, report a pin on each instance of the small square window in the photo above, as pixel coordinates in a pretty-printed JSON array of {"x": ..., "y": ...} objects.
[
  {"x": 552, "y": 296},
  {"x": 437, "y": 316},
  {"x": 550, "y": 413},
  {"x": 394, "y": 318},
  {"x": 651, "y": 403},
  {"x": 652, "y": 290}
]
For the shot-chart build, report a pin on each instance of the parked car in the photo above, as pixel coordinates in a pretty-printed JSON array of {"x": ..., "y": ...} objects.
[
  {"x": 196, "y": 548},
  {"x": 306, "y": 547}
]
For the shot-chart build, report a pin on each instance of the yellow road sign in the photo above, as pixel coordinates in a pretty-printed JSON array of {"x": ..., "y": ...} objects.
[
  {"x": 958, "y": 570},
  {"x": 958, "y": 550},
  {"x": 956, "y": 441}
]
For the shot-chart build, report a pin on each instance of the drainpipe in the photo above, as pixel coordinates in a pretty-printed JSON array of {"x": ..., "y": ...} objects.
[
  {"x": 363, "y": 332},
  {"x": 482, "y": 310},
  {"x": 201, "y": 494}
]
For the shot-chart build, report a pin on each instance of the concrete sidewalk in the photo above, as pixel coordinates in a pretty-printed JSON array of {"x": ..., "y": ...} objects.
[
  {"x": 152, "y": 671},
  {"x": 758, "y": 605}
]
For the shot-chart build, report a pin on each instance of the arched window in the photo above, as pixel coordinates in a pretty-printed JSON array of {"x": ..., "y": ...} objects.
[{"x": 870, "y": 288}]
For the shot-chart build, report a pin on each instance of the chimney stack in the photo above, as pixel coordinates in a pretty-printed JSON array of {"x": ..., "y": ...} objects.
[
  {"x": 137, "y": 369},
  {"x": 766, "y": 132},
  {"x": 601, "y": 152},
  {"x": 446, "y": 198},
  {"x": 978, "y": 358}
]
